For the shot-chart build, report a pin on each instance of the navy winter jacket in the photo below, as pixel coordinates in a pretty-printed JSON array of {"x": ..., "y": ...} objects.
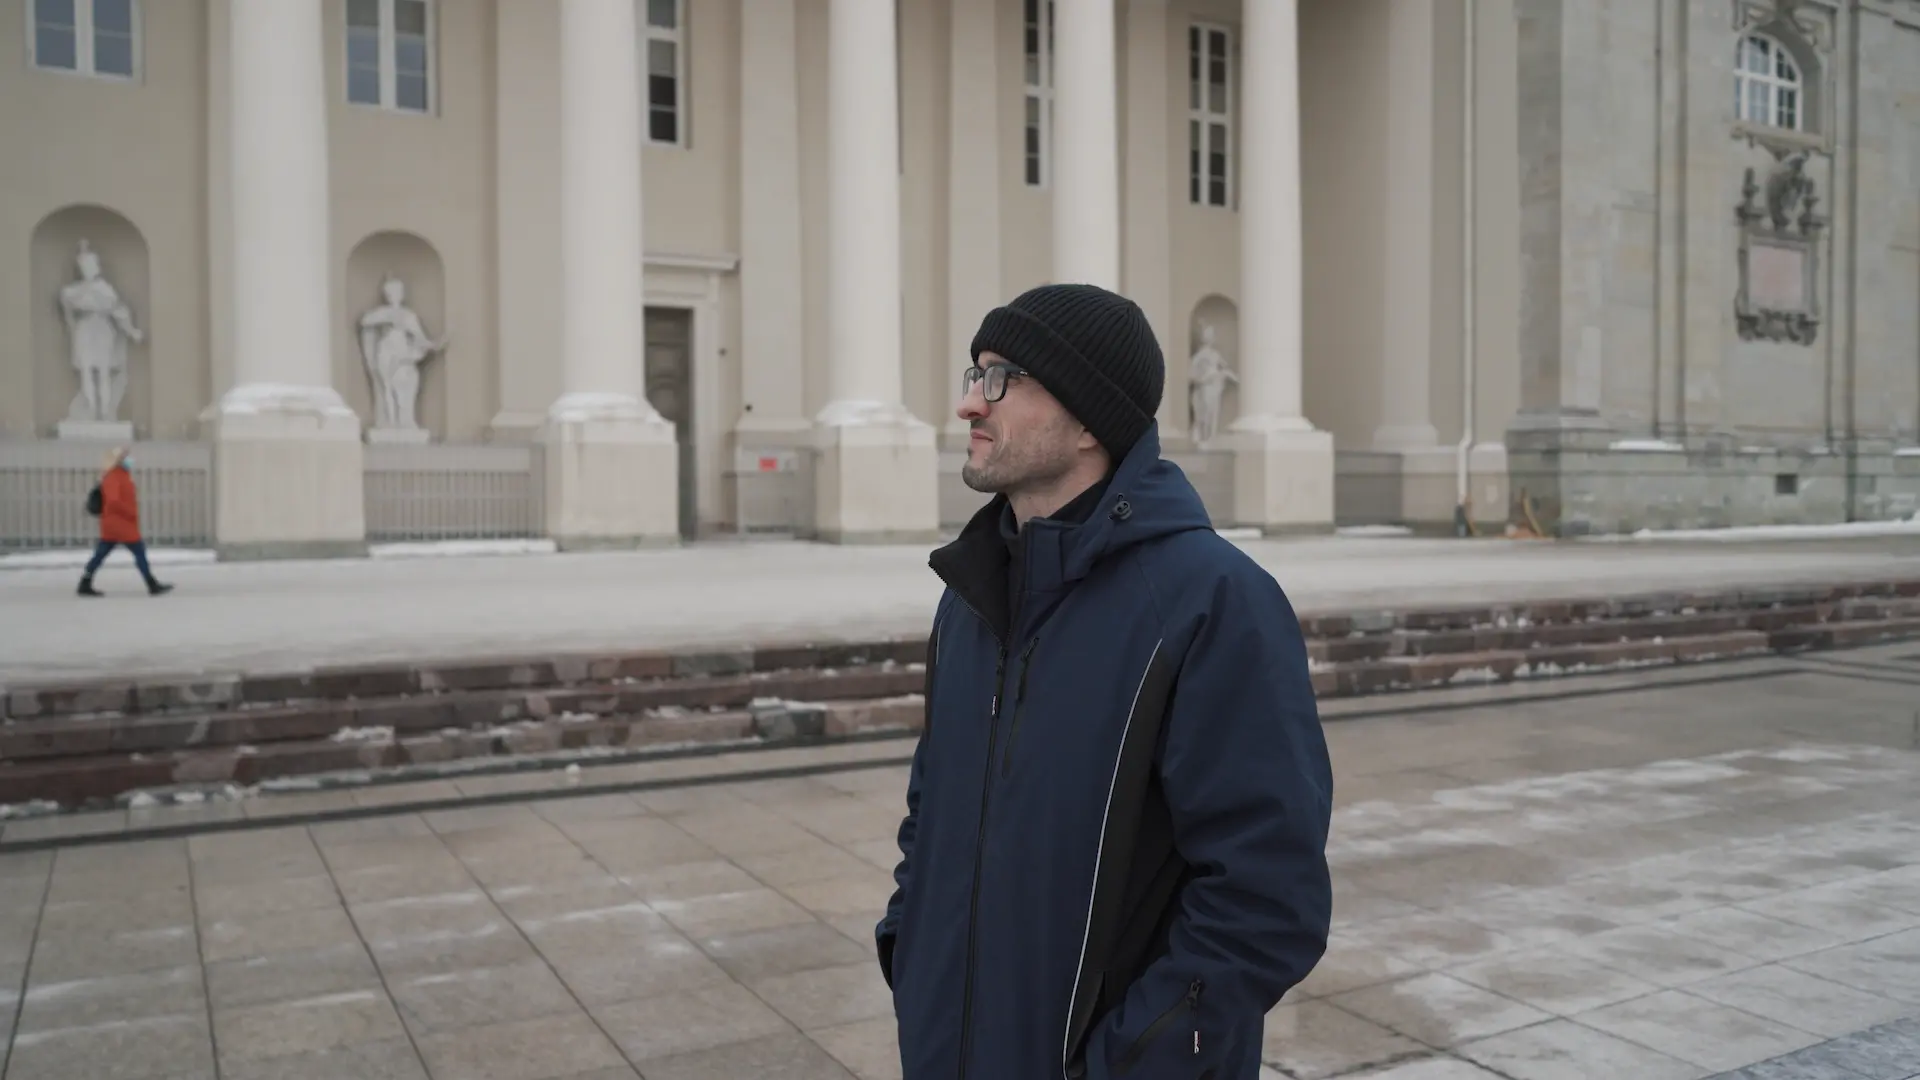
[{"x": 1114, "y": 853}]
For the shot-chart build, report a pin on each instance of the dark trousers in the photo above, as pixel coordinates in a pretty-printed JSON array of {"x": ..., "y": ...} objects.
[{"x": 105, "y": 547}]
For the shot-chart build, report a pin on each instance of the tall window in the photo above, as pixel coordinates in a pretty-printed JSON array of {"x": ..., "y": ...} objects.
[
  {"x": 390, "y": 54},
  {"x": 1209, "y": 115},
  {"x": 1767, "y": 84},
  {"x": 90, "y": 37},
  {"x": 1039, "y": 97},
  {"x": 666, "y": 72}
]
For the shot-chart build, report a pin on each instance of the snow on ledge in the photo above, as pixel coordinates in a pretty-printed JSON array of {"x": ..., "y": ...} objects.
[
  {"x": 441, "y": 549},
  {"x": 1654, "y": 446},
  {"x": 76, "y": 558},
  {"x": 1738, "y": 533}
]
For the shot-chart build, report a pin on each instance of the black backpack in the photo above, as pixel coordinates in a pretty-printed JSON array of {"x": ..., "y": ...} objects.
[{"x": 94, "y": 501}]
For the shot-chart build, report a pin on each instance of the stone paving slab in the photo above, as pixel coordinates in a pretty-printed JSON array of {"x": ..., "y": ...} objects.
[
  {"x": 1666, "y": 883},
  {"x": 289, "y": 615}
]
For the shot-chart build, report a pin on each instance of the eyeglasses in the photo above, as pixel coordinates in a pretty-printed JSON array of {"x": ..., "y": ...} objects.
[{"x": 995, "y": 376}]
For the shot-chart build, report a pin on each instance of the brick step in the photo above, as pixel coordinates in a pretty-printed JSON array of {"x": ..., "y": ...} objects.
[
  {"x": 1524, "y": 634},
  {"x": 83, "y": 779},
  {"x": 432, "y": 712},
  {"x": 76, "y": 782},
  {"x": 1332, "y": 638},
  {"x": 1379, "y": 662}
]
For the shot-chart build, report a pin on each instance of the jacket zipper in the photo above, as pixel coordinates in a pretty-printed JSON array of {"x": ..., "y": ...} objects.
[
  {"x": 979, "y": 851},
  {"x": 1019, "y": 699},
  {"x": 1189, "y": 1005}
]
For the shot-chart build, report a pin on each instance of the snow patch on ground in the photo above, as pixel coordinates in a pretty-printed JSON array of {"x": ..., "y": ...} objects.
[{"x": 451, "y": 549}]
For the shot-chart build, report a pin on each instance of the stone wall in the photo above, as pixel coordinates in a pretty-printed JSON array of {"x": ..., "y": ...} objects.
[{"x": 1718, "y": 312}]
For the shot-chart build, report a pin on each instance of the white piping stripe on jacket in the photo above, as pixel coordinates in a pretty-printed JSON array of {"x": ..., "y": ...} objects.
[{"x": 1099, "y": 854}]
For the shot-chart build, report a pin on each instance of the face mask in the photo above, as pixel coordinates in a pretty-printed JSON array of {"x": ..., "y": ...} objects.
[{"x": 127, "y": 461}]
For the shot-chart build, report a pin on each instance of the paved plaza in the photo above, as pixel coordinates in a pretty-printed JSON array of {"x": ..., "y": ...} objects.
[
  {"x": 1658, "y": 879},
  {"x": 292, "y": 615}
]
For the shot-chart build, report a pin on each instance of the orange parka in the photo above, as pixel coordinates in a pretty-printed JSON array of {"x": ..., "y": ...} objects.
[{"x": 119, "y": 508}]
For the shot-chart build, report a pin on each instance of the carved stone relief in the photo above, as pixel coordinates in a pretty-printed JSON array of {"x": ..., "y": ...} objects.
[{"x": 1779, "y": 257}]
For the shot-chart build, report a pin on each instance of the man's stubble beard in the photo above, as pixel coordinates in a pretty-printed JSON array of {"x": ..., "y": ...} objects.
[{"x": 1008, "y": 471}]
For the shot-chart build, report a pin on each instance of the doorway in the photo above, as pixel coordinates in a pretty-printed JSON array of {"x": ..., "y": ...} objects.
[{"x": 670, "y": 389}]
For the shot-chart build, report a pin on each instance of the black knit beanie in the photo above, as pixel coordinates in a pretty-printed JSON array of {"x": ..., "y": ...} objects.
[{"x": 1092, "y": 349}]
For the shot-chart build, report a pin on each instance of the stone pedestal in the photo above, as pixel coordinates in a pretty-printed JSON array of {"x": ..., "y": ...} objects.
[
  {"x": 613, "y": 475},
  {"x": 1283, "y": 478},
  {"x": 400, "y": 436},
  {"x": 876, "y": 480},
  {"x": 107, "y": 431},
  {"x": 287, "y": 474}
]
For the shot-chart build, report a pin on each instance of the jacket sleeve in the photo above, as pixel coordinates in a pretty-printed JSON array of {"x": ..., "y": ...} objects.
[
  {"x": 888, "y": 930},
  {"x": 1245, "y": 772}
]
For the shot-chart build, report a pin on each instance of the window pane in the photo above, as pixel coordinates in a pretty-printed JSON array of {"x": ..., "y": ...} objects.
[
  {"x": 53, "y": 13},
  {"x": 410, "y": 91},
  {"x": 113, "y": 54},
  {"x": 1789, "y": 108},
  {"x": 410, "y": 55},
  {"x": 1193, "y": 39},
  {"x": 1033, "y": 111},
  {"x": 1032, "y": 9},
  {"x": 661, "y": 92},
  {"x": 363, "y": 85},
  {"x": 1783, "y": 66},
  {"x": 663, "y": 126},
  {"x": 1193, "y": 79},
  {"x": 53, "y": 47},
  {"x": 1194, "y": 151},
  {"x": 1033, "y": 71},
  {"x": 1753, "y": 55},
  {"x": 113, "y": 17},
  {"x": 410, "y": 17},
  {"x": 1033, "y": 170},
  {"x": 1217, "y": 45},
  {"x": 662, "y": 13},
  {"x": 363, "y": 48},
  {"x": 1217, "y": 87},
  {"x": 1217, "y": 192},
  {"x": 365, "y": 13},
  {"x": 660, "y": 58},
  {"x": 1758, "y": 102}
]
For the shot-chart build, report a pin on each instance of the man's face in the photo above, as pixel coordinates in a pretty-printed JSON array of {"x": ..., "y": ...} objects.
[{"x": 1023, "y": 442}]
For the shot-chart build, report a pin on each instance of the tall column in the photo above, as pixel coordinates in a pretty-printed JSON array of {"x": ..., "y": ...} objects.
[
  {"x": 1146, "y": 243},
  {"x": 612, "y": 463},
  {"x": 1283, "y": 467},
  {"x": 287, "y": 454},
  {"x": 876, "y": 467},
  {"x": 973, "y": 189},
  {"x": 1086, "y": 145},
  {"x": 1406, "y": 363}
]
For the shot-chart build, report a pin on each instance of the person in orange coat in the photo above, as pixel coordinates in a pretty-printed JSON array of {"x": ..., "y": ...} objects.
[{"x": 119, "y": 524}]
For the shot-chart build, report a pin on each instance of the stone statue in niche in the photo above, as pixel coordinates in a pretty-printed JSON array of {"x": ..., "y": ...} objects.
[
  {"x": 99, "y": 326},
  {"x": 394, "y": 344},
  {"x": 1779, "y": 254},
  {"x": 1207, "y": 379}
]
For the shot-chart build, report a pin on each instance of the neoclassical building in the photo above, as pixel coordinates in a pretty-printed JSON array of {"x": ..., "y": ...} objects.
[{"x": 631, "y": 271}]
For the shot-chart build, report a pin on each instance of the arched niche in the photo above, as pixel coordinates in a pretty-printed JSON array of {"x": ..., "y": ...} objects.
[
  {"x": 53, "y": 255},
  {"x": 1223, "y": 317},
  {"x": 415, "y": 262}
]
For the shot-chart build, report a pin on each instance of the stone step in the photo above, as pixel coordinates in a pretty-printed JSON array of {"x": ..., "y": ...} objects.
[
  {"x": 1333, "y": 637},
  {"x": 552, "y": 738},
  {"x": 431, "y": 712},
  {"x": 1366, "y": 663}
]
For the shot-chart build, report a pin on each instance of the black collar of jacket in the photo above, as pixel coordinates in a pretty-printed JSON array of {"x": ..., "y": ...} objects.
[{"x": 987, "y": 566}]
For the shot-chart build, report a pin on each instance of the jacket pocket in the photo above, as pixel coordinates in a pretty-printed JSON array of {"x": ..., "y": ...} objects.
[
  {"x": 1166, "y": 1025},
  {"x": 1019, "y": 708}
]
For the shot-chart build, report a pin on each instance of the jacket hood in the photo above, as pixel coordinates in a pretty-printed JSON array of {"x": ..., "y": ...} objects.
[{"x": 1145, "y": 499}]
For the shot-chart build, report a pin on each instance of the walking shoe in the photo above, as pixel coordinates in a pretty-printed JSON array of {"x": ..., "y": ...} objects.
[
  {"x": 155, "y": 588},
  {"x": 87, "y": 589}
]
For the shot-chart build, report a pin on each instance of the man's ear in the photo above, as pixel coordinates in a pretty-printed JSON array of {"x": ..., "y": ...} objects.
[{"x": 1086, "y": 441}]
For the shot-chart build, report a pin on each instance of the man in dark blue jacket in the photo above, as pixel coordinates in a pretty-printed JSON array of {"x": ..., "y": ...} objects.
[{"x": 1114, "y": 853}]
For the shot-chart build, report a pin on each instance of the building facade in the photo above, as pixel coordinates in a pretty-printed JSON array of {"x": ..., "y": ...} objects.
[{"x": 631, "y": 271}]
